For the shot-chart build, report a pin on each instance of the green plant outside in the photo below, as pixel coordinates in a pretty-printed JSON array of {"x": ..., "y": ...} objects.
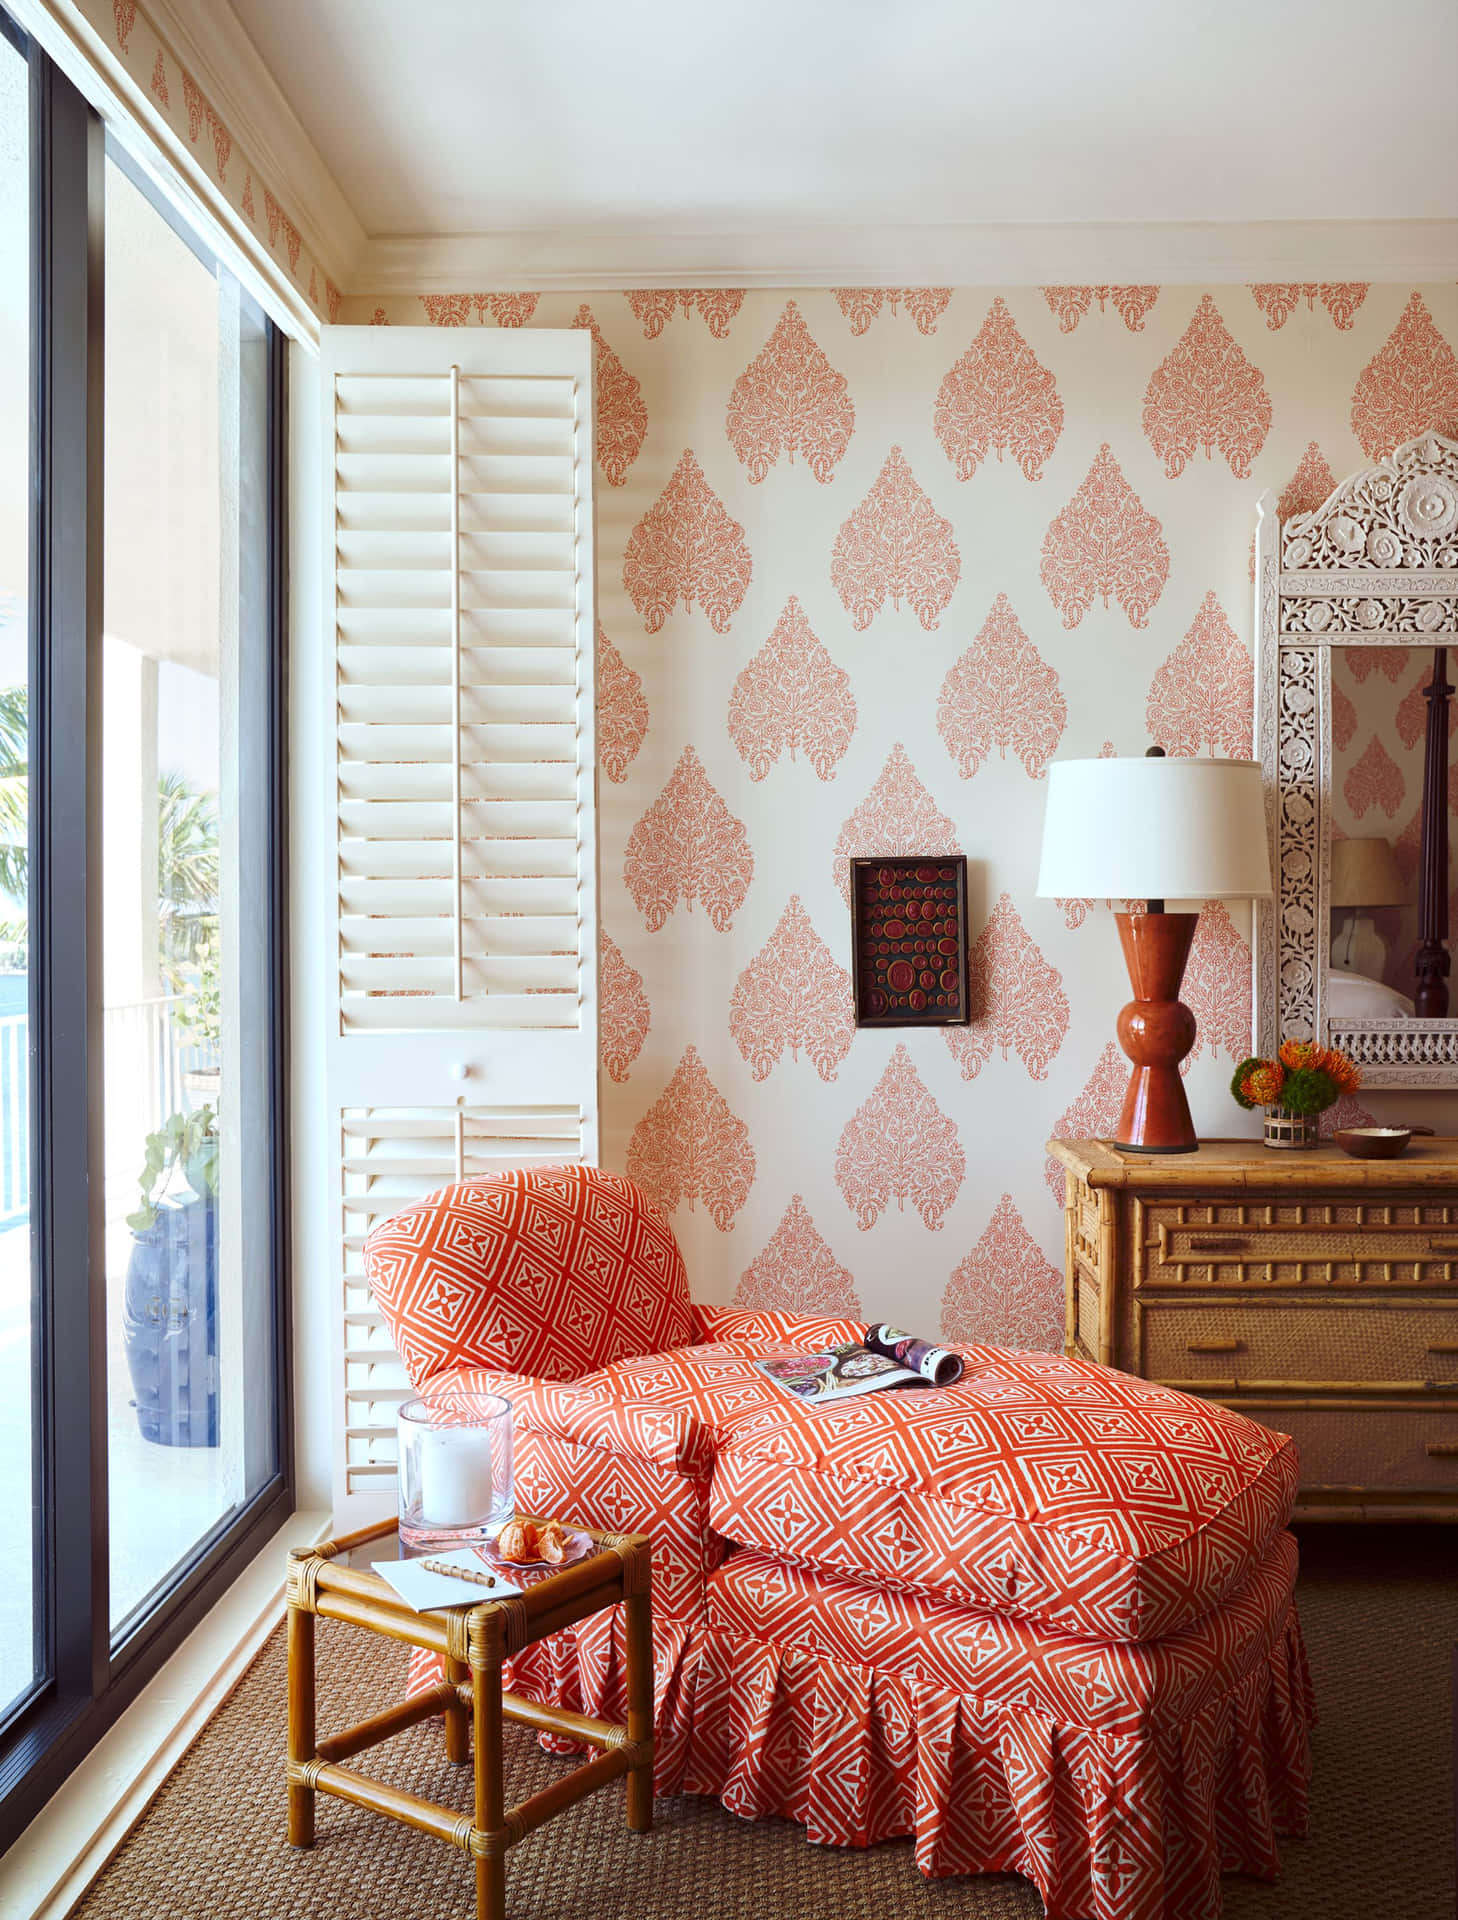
[{"x": 188, "y": 1140}]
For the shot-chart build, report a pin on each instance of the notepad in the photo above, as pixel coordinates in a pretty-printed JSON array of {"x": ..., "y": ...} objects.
[{"x": 424, "y": 1591}]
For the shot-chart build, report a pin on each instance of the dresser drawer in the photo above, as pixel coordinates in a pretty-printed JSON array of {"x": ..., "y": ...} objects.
[
  {"x": 1367, "y": 1244},
  {"x": 1326, "y": 1344},
  {"x": 1396, "y": 1449}
]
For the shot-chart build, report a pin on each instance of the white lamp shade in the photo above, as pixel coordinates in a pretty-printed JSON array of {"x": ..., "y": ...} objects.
[{"x": 1155, "y": 829}]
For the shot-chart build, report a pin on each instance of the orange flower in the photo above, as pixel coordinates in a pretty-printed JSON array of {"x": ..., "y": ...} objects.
[
  {"x": 1343, "y": 1070},
  {"x": 1262, "y": 1085},
  {"x": 1296, "y": 1054}
]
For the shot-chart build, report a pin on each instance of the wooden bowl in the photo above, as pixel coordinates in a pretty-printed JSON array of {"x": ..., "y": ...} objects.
[{"x": 1376, "y": 1143}]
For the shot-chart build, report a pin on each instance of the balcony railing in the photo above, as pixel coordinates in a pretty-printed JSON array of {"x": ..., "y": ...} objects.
[{"x": 146, "y": 1058}]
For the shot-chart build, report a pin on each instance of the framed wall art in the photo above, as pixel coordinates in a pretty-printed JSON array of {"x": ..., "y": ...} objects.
[{"x": 909, "y": 940}]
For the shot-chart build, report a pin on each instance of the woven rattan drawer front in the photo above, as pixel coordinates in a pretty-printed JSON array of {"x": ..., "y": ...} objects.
[
  {"x": 1327, "y": 1344},
  {"x": 1367, "y": 1244},
  {"x": 1400, "y": 1449}
]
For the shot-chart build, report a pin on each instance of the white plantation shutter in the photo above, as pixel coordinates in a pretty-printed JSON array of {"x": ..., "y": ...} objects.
[{"x": 464, "y": 798}]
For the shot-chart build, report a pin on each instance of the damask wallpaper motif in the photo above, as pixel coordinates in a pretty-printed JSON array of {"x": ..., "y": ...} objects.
[{"x": 870, "y": 557}]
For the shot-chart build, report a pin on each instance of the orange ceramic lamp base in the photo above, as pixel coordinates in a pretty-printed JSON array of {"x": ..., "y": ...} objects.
[{"x": 1156, "y": 1030}]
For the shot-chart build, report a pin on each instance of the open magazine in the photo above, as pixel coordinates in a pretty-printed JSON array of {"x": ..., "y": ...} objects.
[{"x": 883, "y": 1357}]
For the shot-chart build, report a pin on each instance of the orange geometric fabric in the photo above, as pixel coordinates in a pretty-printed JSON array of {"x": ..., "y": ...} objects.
[
  {"x": 1039, "y": 1487},
  {"x": 549, "y": 1271},
  {"x": 1121, "y": 1780}
]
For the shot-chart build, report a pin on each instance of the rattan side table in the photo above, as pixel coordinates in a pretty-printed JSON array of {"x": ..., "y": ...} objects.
[{"x": 473, "y": 1640}]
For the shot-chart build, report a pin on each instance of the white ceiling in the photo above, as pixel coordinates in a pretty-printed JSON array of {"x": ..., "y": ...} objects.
[{"x": 756, "y": 117}]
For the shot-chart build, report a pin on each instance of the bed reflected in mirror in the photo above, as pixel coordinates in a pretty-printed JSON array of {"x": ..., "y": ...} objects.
[{"x": 1379, "y": 740}]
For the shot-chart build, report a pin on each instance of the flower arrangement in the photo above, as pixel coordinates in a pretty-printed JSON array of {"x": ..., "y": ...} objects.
[{"x": 1303, "y": 1079}]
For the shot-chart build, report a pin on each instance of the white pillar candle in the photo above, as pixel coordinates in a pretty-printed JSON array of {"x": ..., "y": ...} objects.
[{"x": 456, "y": 1481}]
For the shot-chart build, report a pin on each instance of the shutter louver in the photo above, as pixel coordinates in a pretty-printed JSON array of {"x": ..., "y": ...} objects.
[
  {"x": 460, "y": 590},
  {"x": 463, "y": 798}
]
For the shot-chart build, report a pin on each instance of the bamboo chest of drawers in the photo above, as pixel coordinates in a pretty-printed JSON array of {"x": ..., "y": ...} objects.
[{"x": 1316, "y": 1293}]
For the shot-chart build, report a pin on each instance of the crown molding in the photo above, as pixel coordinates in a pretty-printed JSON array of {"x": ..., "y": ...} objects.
[
  {"x": 1164, "y": 253},
  {"x": 211, "y": 41},
  {"x": 79, "y": 49}
]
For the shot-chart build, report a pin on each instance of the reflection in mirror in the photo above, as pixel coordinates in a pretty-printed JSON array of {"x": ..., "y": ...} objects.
[{"x": 1379, "y": 724}]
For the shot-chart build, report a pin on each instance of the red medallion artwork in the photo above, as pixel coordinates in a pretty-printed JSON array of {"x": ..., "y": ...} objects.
[
  {"x": 623, "y": 1011},
  {"x": 457, "y": 309},
  {"x": 790, "y": 399},
  {"x": 159, "y": 87},
  {"x": 124, "y": 13},
  {"x": 1006, "y": 1293},
  {"x": 792, "y": 695},
  {"x": 1070, "y": 304},
  {"x": 621, "y": 419},
  {"x": 1343, "y": 720},
  {"x": 1205, "y": 393},
  {"x": 656, "y": 306},
  {"x": 1093, "y": 1115},
  {"x": 895, "y": 543},
  {"x": 899, "y": 1146},
  {"x": 1217, "y": 986},
  {"x": 898, "y": 815},
  {"x": 998, "y": 396},
  {"x": 1412, "y": 709},
  {"x": 1341, "y": 298},
  {"x": 199, "y": 109},
  {"x": 622, "y": 712},
  {"x": 1001, "y": 693},
  {"x": 1204, "y": 694},
  {"x": 687, "y": 548},
  {"x": 1104, "y": 544},
  {"x": 1018, "y": 1002},
  {"x": 860, "y": 305},
  {"x": 792, "y": 994},
  {"x": 688, "y": 846},
  {"x": 1409, "y": 387},
  {"x": 798, "y": 1273},
  {"x": 334, "y": 298},
  {"x": 689, "y": 1147},
  {"x": 1391, "y": 662},
  {"x": 1374, "y": 781}
]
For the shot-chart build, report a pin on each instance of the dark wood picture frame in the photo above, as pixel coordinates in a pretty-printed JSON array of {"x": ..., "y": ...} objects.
[{"x": 889, "y": 962}]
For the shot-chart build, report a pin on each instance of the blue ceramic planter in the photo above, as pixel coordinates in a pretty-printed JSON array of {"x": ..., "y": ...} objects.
[{"x": 170, "y": 1324}]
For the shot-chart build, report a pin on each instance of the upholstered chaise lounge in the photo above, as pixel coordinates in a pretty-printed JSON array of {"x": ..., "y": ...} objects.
[{"x": 1042, "y": 1620}]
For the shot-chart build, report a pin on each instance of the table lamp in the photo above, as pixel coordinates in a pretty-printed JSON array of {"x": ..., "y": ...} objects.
[
  {"x": 1160, "y": 829},
  {"x": 1364, "y": 873}
]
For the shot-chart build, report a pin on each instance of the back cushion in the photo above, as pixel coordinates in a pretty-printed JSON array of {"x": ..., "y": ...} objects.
[{"x": 549, "y": 1271}]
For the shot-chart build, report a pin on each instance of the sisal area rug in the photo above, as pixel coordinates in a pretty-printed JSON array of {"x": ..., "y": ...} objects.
[{"x": 1380, "y": 1608}]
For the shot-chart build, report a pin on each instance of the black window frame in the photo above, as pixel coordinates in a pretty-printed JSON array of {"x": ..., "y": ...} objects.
[{"x": 89, "y": 1680}]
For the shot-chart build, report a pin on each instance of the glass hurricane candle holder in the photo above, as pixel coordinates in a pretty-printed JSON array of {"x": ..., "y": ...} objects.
[{"x": 454, "y": 1470}]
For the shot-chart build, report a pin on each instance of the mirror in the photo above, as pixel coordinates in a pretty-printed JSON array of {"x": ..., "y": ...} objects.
[
  {"x": 1379, "y": 728},
  {"x": 1357, "y": 615}
]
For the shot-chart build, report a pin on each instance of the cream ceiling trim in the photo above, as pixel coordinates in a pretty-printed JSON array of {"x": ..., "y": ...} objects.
[
  {"x": 210, "y": 38},
  {"x": 158, "y": 109},
  {"x": 990, "y": 255}
]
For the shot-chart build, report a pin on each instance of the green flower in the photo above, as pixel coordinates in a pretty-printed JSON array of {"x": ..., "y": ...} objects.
[{"x": 1309, "y": 1090}]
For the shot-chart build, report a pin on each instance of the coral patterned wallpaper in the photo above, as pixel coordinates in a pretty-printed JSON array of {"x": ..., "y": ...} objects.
[{"x": 869, "y": 558}]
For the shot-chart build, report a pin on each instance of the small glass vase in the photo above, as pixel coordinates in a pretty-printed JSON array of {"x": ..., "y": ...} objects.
[
  {"x": 1290, "y": 1130},
  {"x": 454, "y": 1472}
]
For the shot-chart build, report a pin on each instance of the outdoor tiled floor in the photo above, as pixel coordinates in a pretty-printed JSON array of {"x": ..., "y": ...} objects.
[{"x": 162, "y": 1498}]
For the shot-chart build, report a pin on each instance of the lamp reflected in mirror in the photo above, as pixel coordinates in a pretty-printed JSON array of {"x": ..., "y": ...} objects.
[{"x": 1364, "y": 874}]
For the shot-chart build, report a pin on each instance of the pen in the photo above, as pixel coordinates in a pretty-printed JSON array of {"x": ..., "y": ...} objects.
[{"x": 460, "y": 1573}]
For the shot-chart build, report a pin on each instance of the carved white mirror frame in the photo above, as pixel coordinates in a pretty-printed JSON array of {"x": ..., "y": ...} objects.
[{"x": 1375, "y": 566}]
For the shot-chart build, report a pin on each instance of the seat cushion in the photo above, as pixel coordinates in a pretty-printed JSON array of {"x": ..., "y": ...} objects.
[
  {"x": 547, "y": 1271},
  {"x": 1046, "y": 1489},
  {"x": 1116, "y": 1688}
]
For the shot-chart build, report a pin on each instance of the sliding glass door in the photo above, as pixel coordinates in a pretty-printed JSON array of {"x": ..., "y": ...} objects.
[{"x": 143, "y": 1383}]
